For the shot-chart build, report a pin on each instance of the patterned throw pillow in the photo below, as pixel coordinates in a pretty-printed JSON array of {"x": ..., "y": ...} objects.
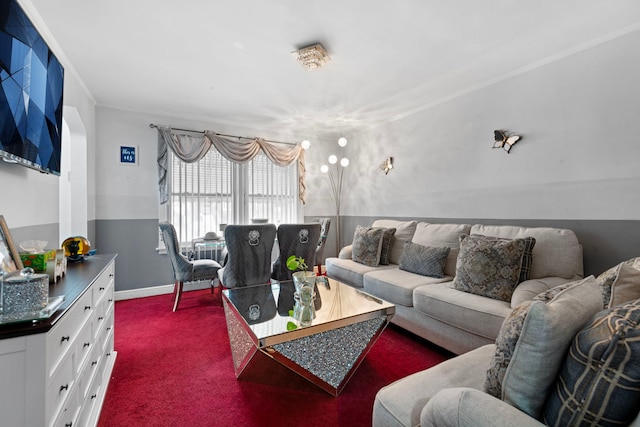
[
  {"x": 533, "y": 342},
  {"x": 367, "y": 245},
  {"x": 508, "y": 338},
  {"x": 489, "y": 266},
  {"x": 424, "y": 260},
  {"x": 620, "y": 278},
  {"x": 599, "y": 383},
  {"x": 387, "y": 241}
]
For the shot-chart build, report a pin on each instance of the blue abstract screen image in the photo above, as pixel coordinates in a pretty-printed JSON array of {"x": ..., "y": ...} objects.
[{"x": 31, "y": 89}]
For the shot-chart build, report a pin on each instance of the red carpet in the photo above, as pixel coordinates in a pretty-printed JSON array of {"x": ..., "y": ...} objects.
[{"x": 175, "y": 369}]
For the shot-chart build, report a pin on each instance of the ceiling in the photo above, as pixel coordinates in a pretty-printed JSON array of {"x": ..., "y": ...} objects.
[{"x": 230, "y": 62}]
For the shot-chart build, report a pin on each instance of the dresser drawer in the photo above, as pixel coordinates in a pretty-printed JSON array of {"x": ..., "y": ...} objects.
[
  {"x": 59, "y": 388},
  {"x": 62, "y": 336},
  {"x": 69, "y": 414},
  {"x": 88, "y": 375},
  {"x": 104, "y": 284},
  {"x": 84, "y": 344}
]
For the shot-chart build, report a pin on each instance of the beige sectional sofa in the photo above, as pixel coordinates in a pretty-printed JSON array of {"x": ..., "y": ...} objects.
[{"x": 430, "y": 307}]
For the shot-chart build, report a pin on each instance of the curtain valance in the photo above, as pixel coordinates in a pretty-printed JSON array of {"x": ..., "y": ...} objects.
[{"x": 191, "y": 148}]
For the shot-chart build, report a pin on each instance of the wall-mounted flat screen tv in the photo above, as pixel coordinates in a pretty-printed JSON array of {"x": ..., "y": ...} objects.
[{"x": 31, "y": 87}]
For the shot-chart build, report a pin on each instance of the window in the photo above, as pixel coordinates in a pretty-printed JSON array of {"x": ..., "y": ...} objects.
[{"x": 216, "y": 191}]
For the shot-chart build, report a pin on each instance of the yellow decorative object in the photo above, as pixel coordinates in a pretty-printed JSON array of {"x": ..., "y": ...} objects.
[{"x": 76, "y": 247}]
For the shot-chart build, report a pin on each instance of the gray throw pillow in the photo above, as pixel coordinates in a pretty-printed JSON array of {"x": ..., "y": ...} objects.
[
  {"x": 534, "y": 340},
  {"x": 620, "y": 283},
  {"x": 599, "y": 383},
  {"x": 489, "y": 266},
  {"x": 424, "y": 260},
  {"x": 367, "y": 245},
  {"x": 387, "y": 241}
]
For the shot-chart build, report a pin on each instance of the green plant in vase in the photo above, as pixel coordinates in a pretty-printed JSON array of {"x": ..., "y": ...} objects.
[{"x": 304, "y": 282}]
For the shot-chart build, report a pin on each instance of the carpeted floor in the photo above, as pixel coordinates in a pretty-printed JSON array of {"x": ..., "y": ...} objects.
[{"x": 175, "y": 369}]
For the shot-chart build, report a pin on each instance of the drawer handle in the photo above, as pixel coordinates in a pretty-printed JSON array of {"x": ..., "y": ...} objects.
[
  {"x": 87, "y": 307},
  {"x": 101, "y": 288},
  {"x": 86, "y": 344},
  {"x": 94, "y": 363},
  {"x": 110, "y": 274},
  {"x": 109, "y": 328},
  {"x": 68, "y": 425},
  {"x": 110, "y": 300},
  {"x": 93, "y": 396},
  {"x": 65, "y": 338},
  {"x": 100, "y": 318},
  {"x": 63, "y": 388}
]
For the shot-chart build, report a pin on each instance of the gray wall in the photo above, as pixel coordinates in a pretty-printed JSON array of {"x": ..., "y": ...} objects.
[{"x": 605, "y": 243}]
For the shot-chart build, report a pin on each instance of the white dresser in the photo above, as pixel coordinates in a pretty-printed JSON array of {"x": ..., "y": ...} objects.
[{"x": 56, "y": 372}]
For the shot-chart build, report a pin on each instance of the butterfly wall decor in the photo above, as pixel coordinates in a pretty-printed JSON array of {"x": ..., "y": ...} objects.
[
  {"x": 387, "y": 165},
  {"x": 504, "y": 141}
]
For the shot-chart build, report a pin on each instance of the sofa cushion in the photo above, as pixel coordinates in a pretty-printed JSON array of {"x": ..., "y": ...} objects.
[
  {"x": 541, "y": 344},
  {"x": 621, "y": 283},
  {"x": 424, "y": 260},
  {"x": 400, "y": 403},
  {"x": 442, "y": 235},
  {"x": 350, "y": 272},
  {"x": 395, "y": 285},
  {"x": 599, "y": 383},
  {"x": 528, "y": 289},
  {"x": 387, "y": 241},
  {"x": 404, "y": 233},
  {"x": 367, "y": 245},
  {"x": 472, "y": 313},
  {"x": 557, "y": 251},
  {"x": 489, "y": 267}
]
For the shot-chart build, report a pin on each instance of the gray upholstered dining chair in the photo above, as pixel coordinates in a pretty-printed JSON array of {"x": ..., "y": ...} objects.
[
  {"x": 300, "y": 240},
  {"x": 249, "y": 250},
  {"x": 183, "y": 269},
  {"x": 325, "y": 223}
]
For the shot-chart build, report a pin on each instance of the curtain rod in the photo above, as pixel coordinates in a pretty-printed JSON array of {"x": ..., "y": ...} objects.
[{"x": 152, "y": 125}]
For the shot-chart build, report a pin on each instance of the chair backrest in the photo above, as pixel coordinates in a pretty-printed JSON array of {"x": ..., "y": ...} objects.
[
  {"x": 325, "y": 223},
  {"x": 300, "y": 240},
  {"x": 249, "y": 250},
  {"x": 182, "y": 268}
]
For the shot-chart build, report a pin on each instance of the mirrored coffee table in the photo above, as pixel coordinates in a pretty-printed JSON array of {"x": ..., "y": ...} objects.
[{"x": 270, "y": 345}]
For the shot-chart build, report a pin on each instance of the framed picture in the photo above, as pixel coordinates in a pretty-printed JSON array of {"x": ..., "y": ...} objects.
[{"x": 9, "y": 258}]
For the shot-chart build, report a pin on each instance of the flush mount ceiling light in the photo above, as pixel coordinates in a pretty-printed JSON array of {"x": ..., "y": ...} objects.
[{"x": 312, "y": 57}]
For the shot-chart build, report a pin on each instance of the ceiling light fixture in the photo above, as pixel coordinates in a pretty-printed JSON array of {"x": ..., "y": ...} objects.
[{"x": 312, "y": 57}]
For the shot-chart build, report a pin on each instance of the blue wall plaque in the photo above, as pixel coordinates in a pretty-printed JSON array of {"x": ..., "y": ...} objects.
[{"x": 128, "y": 155}]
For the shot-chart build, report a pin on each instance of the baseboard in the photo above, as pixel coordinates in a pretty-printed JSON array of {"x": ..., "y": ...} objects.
[
  {"x": 156, "y": 290},
  {"x": 143, "y": 292}
]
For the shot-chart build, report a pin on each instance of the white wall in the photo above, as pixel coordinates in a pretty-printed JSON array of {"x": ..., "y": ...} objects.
[
  {"x": 30, "y": 198},
  {"x": 579, "y": 156}
]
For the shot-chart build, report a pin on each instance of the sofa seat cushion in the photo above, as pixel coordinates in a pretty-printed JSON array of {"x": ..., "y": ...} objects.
[
  {"x": 557, "y": 251},
  {"x": 350, "y": 272},
  {"x": 400, "y": 403},
  {"x": 396, "y": 286},
  {"x": 472, "y": 313}
]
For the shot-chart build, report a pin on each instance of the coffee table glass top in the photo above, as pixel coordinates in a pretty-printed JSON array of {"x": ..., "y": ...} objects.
[{"x": 268, "y": 309}]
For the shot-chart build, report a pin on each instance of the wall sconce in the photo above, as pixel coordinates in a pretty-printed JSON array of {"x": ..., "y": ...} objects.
[{"x": 336, "y": 182}]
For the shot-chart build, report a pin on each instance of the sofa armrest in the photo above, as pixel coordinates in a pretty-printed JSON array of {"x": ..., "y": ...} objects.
[
  {"x": 467, "y": 407},
  {"x": 527, "y": 290},
  {"x": 346, "y": 252}
]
